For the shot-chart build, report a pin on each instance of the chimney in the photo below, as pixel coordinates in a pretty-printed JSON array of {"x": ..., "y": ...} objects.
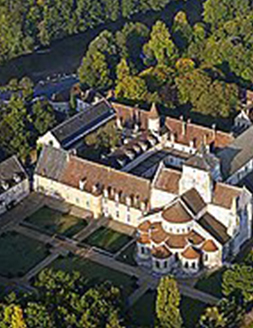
[
  {"x": 82, "y": 184},
  {"x": 183, "y": 125},
  {"x": 214, "y": 130}
]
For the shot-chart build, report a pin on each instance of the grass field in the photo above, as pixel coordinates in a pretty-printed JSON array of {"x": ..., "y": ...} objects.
[
  {"x": 143, "y": 312},
  {"x": 211, "y": 283},
  {"x": 18, "y": 254},
  {"x": 95, "y": 273},
  {"x": 127, "y": 256},
  {"x": 56, "y": 222},
  {"x": 107, "y": 239}
]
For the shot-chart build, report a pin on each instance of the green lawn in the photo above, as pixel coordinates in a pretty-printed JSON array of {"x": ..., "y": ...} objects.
[
  {"x": 211, "y": 283},
  {"x": 191, "y": 311},
  {"x": 57, "y": 222},
  {"x": 128, "y": 255},
  {"x": 107, "y": 239},
  {"x": 142, "y": 313},
  {"x": 95, "y": 273},
  {"x": 18, "y": 254}
]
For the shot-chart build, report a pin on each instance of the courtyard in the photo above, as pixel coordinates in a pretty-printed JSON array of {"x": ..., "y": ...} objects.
[
  {"x": 18, "y": 254},
  {"x": 95, "y": 273},
  {"x": 56, "y": 222},
  {"x": 108, "y": 239}
]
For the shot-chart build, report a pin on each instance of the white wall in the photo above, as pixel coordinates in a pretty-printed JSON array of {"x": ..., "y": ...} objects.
[{"x": 15, "y": 194}]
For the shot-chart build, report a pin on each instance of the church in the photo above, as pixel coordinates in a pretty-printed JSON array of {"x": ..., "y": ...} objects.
[{"x": 167, "y": 180}]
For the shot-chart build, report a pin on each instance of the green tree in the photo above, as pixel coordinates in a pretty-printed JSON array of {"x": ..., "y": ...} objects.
[
  {"x": 94, "y": 71},
  {"x": 238, "y": 279},
  {"x": 182, "y": 31},
  {"x": 167, "y": 304},
  {"x": 160, "y": 48}
]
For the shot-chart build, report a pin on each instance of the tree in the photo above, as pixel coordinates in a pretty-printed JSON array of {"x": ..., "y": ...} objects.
[
  {"x": 43, "y": 116},
  {"x": 123, "y": 70},
  {"x": 182, "y": 31},
  {"x": 212, "y": 318},
  {"x": 160, "y": 48},
  {"x": 238, "y": 279},
  {"x": 167, "y": 304},
  {"x": 94, "y": 71},
  {"x": 131, "y": 87}
]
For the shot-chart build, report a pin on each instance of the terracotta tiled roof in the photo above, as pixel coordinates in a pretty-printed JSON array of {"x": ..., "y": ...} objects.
[
  {"x": 224, "y": 194},
  {"x": 215, "y": 228},
  {"x": 130, "y": 115},
  {"x": 176, "y": 241},
  {"x": 190, "y": 253},
  {"x": 193, "y": 200},
  {"x": 153, "y": 113},
  {"x": 157, "y": 233},
  {"x": 197, "y": 134},
  {"x": 195, "y": 238},
  {"x": 70, "y": 170},
  {"x": 168, "y": 180},
  {"x": 161, "y": 252},
  {"x": 144, "y": 226},
  {"x": 143, "y": 239},
  {"x": 209, "y": 246},
  {"x": 176, "y": 213}
]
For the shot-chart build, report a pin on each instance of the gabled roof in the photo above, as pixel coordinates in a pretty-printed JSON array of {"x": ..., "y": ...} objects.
[
  {"x": 168, "y": 180},
  {"x": 176, "y": 213},
  {"x": 215, "y": 228},
  {"x": 197, "y": 134},
  {"x": 11, "y": 173},
  {"x": 79, "y": 124},
  {"x": 193, "y": 200},
  {"x": 237, "y": 153},
  {"x": 223, "y": 195},
  {"x": 59, "y": 165}
]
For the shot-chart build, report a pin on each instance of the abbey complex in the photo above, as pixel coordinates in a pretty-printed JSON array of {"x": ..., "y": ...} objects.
[{"x": 179, "y": 184}]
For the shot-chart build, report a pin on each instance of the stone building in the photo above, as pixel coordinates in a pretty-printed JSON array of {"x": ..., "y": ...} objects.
[
  {"x": 172, "y": 180},
  {"x": 14, "y": 183}
]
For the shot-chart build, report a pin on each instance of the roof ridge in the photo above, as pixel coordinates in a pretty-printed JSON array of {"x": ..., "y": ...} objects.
[
  {"x": 229, "y": 186},
  {"x": 70, "y": 119},
  {"x": 109, "y": 169}
]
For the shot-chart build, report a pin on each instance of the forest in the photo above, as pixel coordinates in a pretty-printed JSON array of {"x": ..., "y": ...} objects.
[
  {"x": 26, "y": 25},
  {"x": 203, "y": 66}
]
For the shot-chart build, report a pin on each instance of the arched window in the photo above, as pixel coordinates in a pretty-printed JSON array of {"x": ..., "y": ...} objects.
[
  {"x": 186, "y": 265},
  {"x": 193, "y": 265}
]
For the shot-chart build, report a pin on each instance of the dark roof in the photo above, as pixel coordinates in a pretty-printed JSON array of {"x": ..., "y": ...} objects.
[
  {"x": 51, "y": 163},
  {"x": 215, "y": 228},
  {"x": 203, "y": 160},
  {"x": 193, "y": 200},
  {"x": 237, "y": 154},
  {"x": 78, "y": 125},
  {"x": 11, "y": 173}
]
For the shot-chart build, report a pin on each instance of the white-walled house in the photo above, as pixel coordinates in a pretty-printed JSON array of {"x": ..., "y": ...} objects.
[
  {"x": 77, "y": 127},
  {"x": 14, "y": 183}
]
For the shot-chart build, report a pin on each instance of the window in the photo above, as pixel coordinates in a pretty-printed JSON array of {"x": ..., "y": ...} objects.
[
  {"x": 158, "y": 264},
  {"x": 206, "y": 257},
  {"x": 128, "y": 217},
  {"x": 88, "y": 204},
  {"x": 117, "y": 214},
  {"x": 193, "y": 265},
  {"x": 165, "y": 265},
  {"x": 186, "y": 265},
  {"x": 143, "y": 250}
]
